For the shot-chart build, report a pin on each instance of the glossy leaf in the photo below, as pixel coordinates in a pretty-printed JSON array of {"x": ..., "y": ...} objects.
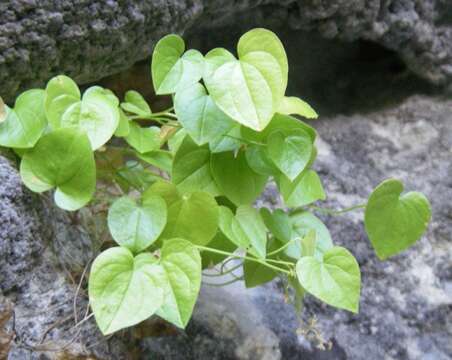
[
  {"x": 123, "y": 290},
  {"x": 335, "y": 279},
  {"x": 235, "y": 179},
  {"x": 232, "y": 229},
  {"x": 172, "y": 69},
  {"x": 296, "y": 106},
  {"x": 254, "y": 227},
  {"x": 61, "y": 92},
  {"x": 182, "y": 264},
  {"x": 191, "y": 168},
  {"x": 23, "y": 126},
  {"x": 290, "y": 152},
  {"x": 123, "y": 128},
  {"x": 134, "y": 103},
  {"x": 394, "y": 221},
  {"x": 303, "y": 190},
  {"x": 62, "y": 159},
  {"x": 229, "y": 141},
  {"x": 258, "y": 160},
  {"x": 143, "y": 139},
  {"x": 278, "y": 222},
  {"x": 199, "y": 115},
  {"x": 137, "y": 226},
  {"x": 194, "y": 217}
]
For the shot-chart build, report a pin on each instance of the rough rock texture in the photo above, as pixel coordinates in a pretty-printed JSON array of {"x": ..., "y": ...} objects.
[{"x": 92, "y": 39}]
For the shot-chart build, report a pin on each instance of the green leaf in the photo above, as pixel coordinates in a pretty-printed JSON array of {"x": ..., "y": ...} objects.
[
  {"x": 160, "y": 159},
  {"x": 256, "y": 274},
  {"x": 191, "y": 168},
  {"x": 283, "y": 123},
  {"x": 308, "y": 244},
  {"x": 136, "y": 104},
  {"x": 254, "y": 228},
  {"x": 214, "y": 59},
  {"x": 137, "y": 226},
  {"x": 194, "y": 217},
  {"x": 250, "y": 89},
  {"x": 232, "y": 229},
  {"x": 303, "y": 190},
  {"x": 175, "y": 141},
  {"x": 235, "y": 179},
  {"x": 290, "y": 153},
  {"x": 143, "y": 140},
  {"x": 166, "y": 190},
  {"x": 61, "y": 92},
  {"x": 123, "y": 290},
  {"x": 123, "y": 128},
  {"x": 258, "y": 160},
  {"x": 393, "y": 221},
  {"x": 63, "y": 159},
  {"x": 23, "y": 126},
  {"x": 219, "y": 242},
  {"x": 302, "y": 224},
  {"x": 182, "y": 264},
  {"x": 228, "y": 141},
  {"x": 278, "y": 222},
  {"x": 2, "y": 110},
  {"x": 199, "y": 115},
  {"x": 336, "y": 279},
  {"x": 294, "y": 105},
  {"x": 172, "y": 71}
]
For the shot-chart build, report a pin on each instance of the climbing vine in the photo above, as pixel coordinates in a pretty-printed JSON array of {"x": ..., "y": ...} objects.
[{"x": 188, "y": 177}]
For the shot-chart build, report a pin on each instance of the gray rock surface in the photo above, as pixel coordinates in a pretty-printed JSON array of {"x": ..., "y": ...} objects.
[{"x": 90, "y": 39}]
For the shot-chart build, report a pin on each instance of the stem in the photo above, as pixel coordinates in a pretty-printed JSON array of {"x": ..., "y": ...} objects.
[
  {"x": 225, "y": 283},
  {"x": 328, "y": 211},
  {"x": 281, "y": 248},
  {"x": 262, "y": 262},
  {"x": 222, "y": 273}
]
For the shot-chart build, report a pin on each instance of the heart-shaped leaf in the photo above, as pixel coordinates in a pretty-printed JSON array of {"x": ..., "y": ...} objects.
[
  {"x": 250, "y": 89},
  {"x": 393, "y": 221},
  {"x": 142, "y": 139},
  {"x": 278, "y": 222},
  {"x": 303, "y": 190},
  {"x": 290, "y": 152},
  {"x": 23, "y": 126},
  {"x": 63, "y": 159},
  {"x": 191, "y": 168},
  {"x": 199, "y": 115},
  {"x": 335, "y": 279},
  {"x": 235, "y": 179},
  {"x": 166, "y": 190},
  {"x": 136, "y": 226},
  {"x": 194, "y": 217},
  {"x": 293, "y": 105},
  {"x": 61, "y": 92},
  {"x": 123, "y": 290},
  {"x": 134, "y": 103},
  {"x": 232, "y": 229},
  {"x": 182, "y": 264},
  {"x": 254, "y": 227},
  {"x": 172, "y": 69}
]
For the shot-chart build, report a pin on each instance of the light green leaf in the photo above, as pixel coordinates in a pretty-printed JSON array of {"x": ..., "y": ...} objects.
[
  {"x": 308, "y": 244},
  {"x": 143, "y": 140},
  {"x": 136, "y": 104},
  {"x": 182, "y": 264},
  {"x": 166, "y": 190},
  {"x": 303, "y": 190},
  {"x": 235, "y": 179},
  {"x": 137, "y": 226},
  {"x": 228, "y": 141},
  {"x": 283, "y": 123},
  {"x": 336, "y": 279},
  {"x": 278, "y": 222},
  {"x": 2, "y": 110},
  {"x": 61, "y": 92},
  {"x": 214, "y": 59},
  {"x": 123, "y": 128},
  {"x": 219, "y": 242},
  {"x": 161, "y": 159},
  {"x": 194, "y": 217},
  {"x": 250, "y": 89},
  {"x": 302, "y": 223},
  {"x": 232, "y": 229},
  {"x": 258, "y": 160},
  {"x": 393, "y": 221},
  {"x": 256, "y": 274},
  {"x": 290, "y": 152},
  {"x": 123, "y": 290},
  {"x": 254, "y": 228},
  {"x": 61, "y": 159},
  {"x": 199, "y": 115},
  {"x": 23, "y": 126},
  {"x": 175, "y": 141},
  {"x": 172, "y": 71},
  {"x": 293, "y": 105},
  {"x": 191, "y": 168}
]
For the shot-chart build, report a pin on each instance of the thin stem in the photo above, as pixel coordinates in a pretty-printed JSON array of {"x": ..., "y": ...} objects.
[
  {"x": 328, "y": 211},
  {"x": 262, "y": 262},
  {"x": 286, "y": 245},
  {"x": 225, "y": 283},
  {"x": 222, "y": 273}
]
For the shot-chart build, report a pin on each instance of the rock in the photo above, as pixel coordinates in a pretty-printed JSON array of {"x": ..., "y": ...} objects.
[
  {"x": 90, "y": 39},
  {"x": 41, "y": 251}
]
